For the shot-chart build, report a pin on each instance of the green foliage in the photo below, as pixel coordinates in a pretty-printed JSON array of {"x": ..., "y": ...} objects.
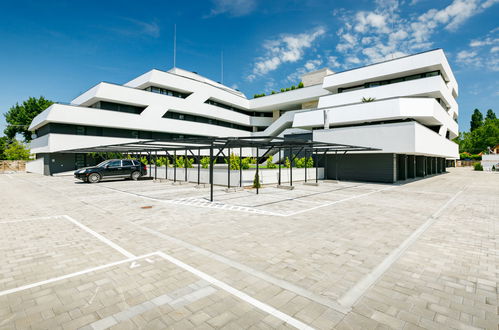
[
  {"x": 205, "y": 162},
  {"x": 493, "y": 168},
  {"x": 482, "y": 137},
  {"x": 491, "y": 115},
  {"x": 162, "y": 161},
  {"x": 258, "y": 95},
  {"x": 19, "y": 117},
  {"x": 287, "y": 162},
  {"x": 246, "y": 163},
  {"x": 270, "y": 162},
  {"x": 288, "y": 89},
  {"x": 300, "y": 162},
  {"x": 4, "y": 141},
  {"x": 478, "y": 167},
  {"x": 144, "y": 160},
  {"x": 467, "y": 155},
  {"x": 273, "y": 92},
  {"x": 310, "y": 162},
  {"x": 368, "y": 99},
  {"x": 234, "y": 162},
  {"x": 300, "y": 85},
  {"x": 256, "y": 181},
  {"x": 182, "y": 162},
  {"x": 282, "y": 90},
  {"x": 476, "y": 120},
  {"x": 16, "y": 151}
]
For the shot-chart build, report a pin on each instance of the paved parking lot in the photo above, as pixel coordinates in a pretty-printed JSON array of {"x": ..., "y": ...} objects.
[{"x": 347, "y": 255}]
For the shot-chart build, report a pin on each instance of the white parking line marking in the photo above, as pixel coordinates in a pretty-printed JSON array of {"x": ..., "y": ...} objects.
[
  {"x": 63, "y": 277},
  {"x": 101, "y": 238},
  {"x": 352, "y": 295},
  {"x": 264, "y": 276},
  {"x": 241, "y": 295}
]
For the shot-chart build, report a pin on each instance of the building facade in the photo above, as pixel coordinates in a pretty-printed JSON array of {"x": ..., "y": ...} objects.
[{"x": 406, "y": 107}]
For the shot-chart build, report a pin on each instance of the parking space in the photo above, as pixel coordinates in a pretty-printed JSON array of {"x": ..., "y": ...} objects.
[{"x": 124, "y": 254}]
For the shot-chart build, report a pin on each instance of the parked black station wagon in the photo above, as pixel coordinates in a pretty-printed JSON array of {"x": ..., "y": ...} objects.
[{"x": 113, "y": 168}]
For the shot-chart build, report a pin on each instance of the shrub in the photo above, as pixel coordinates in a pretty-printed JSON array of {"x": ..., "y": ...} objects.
[
  {"x": 288, "y": 89},
  {"x": 368, "y": 99},
  {"x": 162, "y": 161},
  {"x": 310, "y": 162},
  {"x": 300, "y": 162},
  {"x": 256, "y": 181},
  {"x": 273, "y": 92},
  {"x": 144, "y": 160},
  {"x": 205, "y": 162},
  {"x": 300, "y": 85},
  {"x": 287, "y": 163},
  {"x": 493, "y": 168},
  {"x": 293, "y": 87},
  {"x": 234, "y": 162},
  {"x": 270, "y": 163},
  {"x": 17, "y": 151},
  {"x": 282, "y": 90},
  {"x": 246, "y": 163},
  {"x": 478, "y": 167}
]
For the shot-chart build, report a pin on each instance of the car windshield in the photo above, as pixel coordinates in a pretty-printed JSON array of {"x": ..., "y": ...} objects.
[{"x": 104, "y": 163}]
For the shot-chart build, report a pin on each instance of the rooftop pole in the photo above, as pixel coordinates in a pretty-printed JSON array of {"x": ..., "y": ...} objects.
[{"x": 175, "y": 45}]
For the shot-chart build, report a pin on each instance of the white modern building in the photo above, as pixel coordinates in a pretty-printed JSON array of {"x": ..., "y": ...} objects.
[{"x": 406, "y": 107}]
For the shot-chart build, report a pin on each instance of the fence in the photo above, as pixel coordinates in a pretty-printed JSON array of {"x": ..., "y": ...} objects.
[{"x": 12, "y": 166}]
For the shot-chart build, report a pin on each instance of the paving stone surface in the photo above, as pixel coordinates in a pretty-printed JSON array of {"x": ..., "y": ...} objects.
[{"x": 301, "y": 252}]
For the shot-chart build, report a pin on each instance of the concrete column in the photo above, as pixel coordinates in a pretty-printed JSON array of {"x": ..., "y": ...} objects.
[
  {"x": 411, "y": 166},
  {"x": 420, "y": 166}
]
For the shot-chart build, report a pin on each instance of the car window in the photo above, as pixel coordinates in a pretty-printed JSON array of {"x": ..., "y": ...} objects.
[
  {"x": 127, "y": 162},
  {"x": 136, "y": 162},
  {"x": 115, "y": 163}
]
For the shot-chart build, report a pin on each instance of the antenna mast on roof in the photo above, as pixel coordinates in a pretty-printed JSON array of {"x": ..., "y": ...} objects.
[
  {"x": 174, "y": 45},
  {"x": 222, "y": 66}
]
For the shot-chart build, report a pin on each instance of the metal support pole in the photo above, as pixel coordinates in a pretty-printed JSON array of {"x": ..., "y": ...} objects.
[
  {"x": 211, "y": 172},
  {"x": 150, "y": 165},
  {"x": 336, "y": 165},
  {"x": 240, "y": 166},
  {"x": 174, "y": 165},
  {"x": 257, "y": 174},
  {"x": 305, "y": 151},
  {"x": 185, "y": 165},
  {"x": 156, "y": 165},
  {"x": 280, "y": 161},
  {"x": 199, "y": 164},
  {"x": 166, "y": 165},
  {"x": 316, "y": 163},
  {"x": 291, "y": 166},
  {"x": 228, "y": 170}
]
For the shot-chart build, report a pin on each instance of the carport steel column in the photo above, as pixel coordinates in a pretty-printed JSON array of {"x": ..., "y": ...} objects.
[
  {"x": 185, "y": 164},
  {"x": 211, "y": 172}
]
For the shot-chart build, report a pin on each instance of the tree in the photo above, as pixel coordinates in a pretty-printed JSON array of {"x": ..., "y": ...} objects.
[
  {"x": 16, "y": 151},
  {"x": 476, "y": 120},
  {"x": 4, "y": 141},
  {"x": 19, "y": 117},
  {"x": 490, "y": 115},
  {"x": 481, "y": 138}
]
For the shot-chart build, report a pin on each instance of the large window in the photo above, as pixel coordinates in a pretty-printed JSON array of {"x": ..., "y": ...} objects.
[
  {"x": 230, "y": 107},
  {"x": 106, "y": 131},
  {"x": 118, "y": 107},
  {"x": 199, "y": 119},
  {"x": 165, "y": 91},
  {"x": 389, "y": 81}
]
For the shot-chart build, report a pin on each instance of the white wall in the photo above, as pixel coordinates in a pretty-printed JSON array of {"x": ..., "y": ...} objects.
[
  {"x": 404, "y": 138},
  {"x": 35, "y": 166},
  {"x": 267, "y": 176}
]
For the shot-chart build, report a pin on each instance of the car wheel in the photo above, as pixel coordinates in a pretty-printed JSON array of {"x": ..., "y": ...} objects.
[
  {"x": 135, "y": 175},
  {"x": 94, "y": 178}
]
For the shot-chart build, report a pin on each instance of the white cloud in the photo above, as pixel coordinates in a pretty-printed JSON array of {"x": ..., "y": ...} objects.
[
  {"x": 139, "y": 28},
  {"x": 482, "y": 52},
  {"x": 384, "y": 34},
  {"x": 232, "y": 7},
  {"x": 286, "y": 49},
  {"x": 332, "y": 61},
  {"x": 312, "y": 65},
  {"x": 494, "y": 49}
]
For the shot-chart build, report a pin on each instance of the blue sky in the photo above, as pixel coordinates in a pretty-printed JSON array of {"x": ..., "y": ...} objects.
[{"x": 59, "y": 49}]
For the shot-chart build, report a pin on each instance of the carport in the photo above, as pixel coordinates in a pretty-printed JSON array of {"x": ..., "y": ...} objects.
[{"x": 260, "y": 146}]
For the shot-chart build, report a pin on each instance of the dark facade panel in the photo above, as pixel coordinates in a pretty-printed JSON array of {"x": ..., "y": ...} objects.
[{"x": 362, "y": 167}]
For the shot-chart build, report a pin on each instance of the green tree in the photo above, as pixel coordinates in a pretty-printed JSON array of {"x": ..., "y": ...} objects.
[
  {"x": 270, "y": 162},
  {"x": 256, "y": 181},
  {"x": 481, "y": 138},
  {"x": 476, "y": 120},
  {"x": 19, "y": 117},
  {"x": 16, "y": 151},
  {"x": 205, "y": 162},
  {"x": 4, "y": 141},
  {"x": 490, "y": 115}
]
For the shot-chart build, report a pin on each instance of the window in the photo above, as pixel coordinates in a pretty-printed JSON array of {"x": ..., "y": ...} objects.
[
  {"x": 104, "y": 105},
  {"x": 135, "y": 134},
  {"x": 136, "y": 163},
  {"x": 199, "y": 119},
  {"x": 114, "y": 163},
  {"x": 168, "y": 92},
  {"x": 229, "y": 107},
  {"x": 389, "y": 81},
  {"x": 80, "y": 130},
  {"x": 127, "y": 162}
]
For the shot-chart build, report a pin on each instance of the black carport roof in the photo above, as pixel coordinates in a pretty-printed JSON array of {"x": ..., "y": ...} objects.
[{"x": 262, "y": 142}]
